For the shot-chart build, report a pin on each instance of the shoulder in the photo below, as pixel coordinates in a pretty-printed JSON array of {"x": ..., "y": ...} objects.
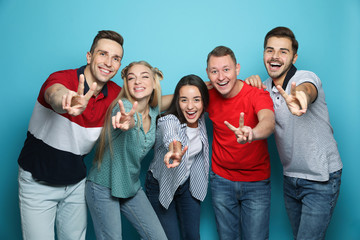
[
  {"x": 64, "y": 74},
  {"x": 170, "y": 118},
  {"x": 113, "y": 86},
  {"x": 254, "y": 91},
  {"x": 67, "y": 78},
  {"x": 302, "y": 76}
]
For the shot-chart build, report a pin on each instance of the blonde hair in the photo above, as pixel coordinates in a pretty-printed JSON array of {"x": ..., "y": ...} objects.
[{"x": 155, "y": 100}]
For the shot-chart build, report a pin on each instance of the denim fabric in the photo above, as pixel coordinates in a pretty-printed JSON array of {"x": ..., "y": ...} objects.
[
  {"x": 106, "y": 212},
  {"x": 43, "y": 205},
  {"x": 183, "y": 211},
  {"x": 310, "y": 204},
  {"x": 242, "y": 209}
]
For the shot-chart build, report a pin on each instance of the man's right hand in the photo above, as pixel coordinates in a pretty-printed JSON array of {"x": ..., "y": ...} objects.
[
  {"x": 255, "y": 81},
  {"x": 74, "y": 103}
]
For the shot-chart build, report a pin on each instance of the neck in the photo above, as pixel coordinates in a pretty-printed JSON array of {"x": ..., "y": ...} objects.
[
  {"x": 143, "y": 107},
  {"x": 90, "y": 80},
  {"x": 236, "y": 89},
  {"x": 278, "y": 81}
]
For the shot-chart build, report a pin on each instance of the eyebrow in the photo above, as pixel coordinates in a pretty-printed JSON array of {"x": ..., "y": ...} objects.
[
  {"x": 140, "y": 73},
  {"x": 100, "y": 50},
  {"x": 286, "y": 49},
  {"x": 187, "y": 97}
]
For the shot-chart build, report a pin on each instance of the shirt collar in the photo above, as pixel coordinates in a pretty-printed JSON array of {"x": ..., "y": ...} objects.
[{"x": 288, "y": 76}]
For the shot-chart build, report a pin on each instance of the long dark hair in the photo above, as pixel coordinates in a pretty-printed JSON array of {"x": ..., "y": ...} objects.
[{"x": 191, "y": 80}]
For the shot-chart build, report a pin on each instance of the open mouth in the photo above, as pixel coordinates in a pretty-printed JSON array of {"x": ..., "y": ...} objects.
[
  {"x": 275, "y": 65},
  {"x": 191, "y": 115},
  {"x": 221, "y": 84}
]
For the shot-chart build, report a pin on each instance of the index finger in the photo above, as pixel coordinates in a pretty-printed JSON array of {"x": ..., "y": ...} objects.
[
  {"x": 80, "y": 90},
  {"x": 231, "y": 127},
  {"x": 121, "y": 106},
  {"x": 241, "y": 120},
  {"x": 281, "y": 91}
]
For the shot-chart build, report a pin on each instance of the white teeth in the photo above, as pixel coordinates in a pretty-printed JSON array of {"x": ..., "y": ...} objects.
[
  {"x": 275, "y": 64},
  {"x": 190, "y": 113},
  {"x": 105, "y": 71},
  {"x": 222, "y": 83},
  {"x": 139, "y": 88}
]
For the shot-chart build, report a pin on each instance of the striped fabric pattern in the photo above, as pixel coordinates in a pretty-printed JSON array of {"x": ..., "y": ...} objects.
[{"x": 170, "y": 128}]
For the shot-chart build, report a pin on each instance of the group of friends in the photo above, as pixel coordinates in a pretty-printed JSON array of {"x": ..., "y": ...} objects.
[{"x": 82, "y": 108}]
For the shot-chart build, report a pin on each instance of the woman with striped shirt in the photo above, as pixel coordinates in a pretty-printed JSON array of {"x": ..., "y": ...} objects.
[{"x": 176, "y": 188}]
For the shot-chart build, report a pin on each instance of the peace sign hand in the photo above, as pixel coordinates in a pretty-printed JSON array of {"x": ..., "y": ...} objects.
[
  {"x": 74, "y": 103},
  {"x": 297, "y": 101},
  {"x": 122, "y": 120},
  {"x": 243, "y": 133},
  {"x": 175, "y": 154}
]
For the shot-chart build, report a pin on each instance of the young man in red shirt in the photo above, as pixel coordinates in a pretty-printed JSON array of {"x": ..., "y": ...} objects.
[{"x": 242, "y": 117}]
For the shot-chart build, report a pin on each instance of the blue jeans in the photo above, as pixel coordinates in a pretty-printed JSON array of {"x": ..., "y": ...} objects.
[
  {"x": 184, "y": 208},
  {"x": 106, "y": 212},
  {"x": 242, "y": 209},
  {"x": 310, "y": 204}
]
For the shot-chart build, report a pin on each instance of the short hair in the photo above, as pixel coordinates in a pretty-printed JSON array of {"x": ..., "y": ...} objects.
[
  {"x": 221, "y": 51},
  {"x": 188, "y": 80},
  {"x": 282, "y": 32},
  {"x": 107, "y": 34}
]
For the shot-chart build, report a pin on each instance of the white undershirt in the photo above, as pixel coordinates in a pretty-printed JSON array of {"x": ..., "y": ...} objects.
[{"x": 194, "y": 147}]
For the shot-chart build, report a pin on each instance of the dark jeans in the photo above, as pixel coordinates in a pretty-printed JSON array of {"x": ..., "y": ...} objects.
[
  {"x": 184, "y": 211},
  {"x": 310, "y": 204}
]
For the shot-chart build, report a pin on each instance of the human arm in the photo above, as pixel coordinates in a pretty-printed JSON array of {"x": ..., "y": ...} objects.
[
  {"x": 165, "y": 102},
  {"x": 123, "y": 120},
  {"x": 175, "y": 154},
  {"x": 255, "y": 81},
  {"x": 300, "y": 97},
  {"x": 63, "y": 100},
  {"x": 262, "y": 130}
]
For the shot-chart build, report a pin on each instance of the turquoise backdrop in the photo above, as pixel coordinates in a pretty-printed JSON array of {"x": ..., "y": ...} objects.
[{"x": 40, "y": 37}]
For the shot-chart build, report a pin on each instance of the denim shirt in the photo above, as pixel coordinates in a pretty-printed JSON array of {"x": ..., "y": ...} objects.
[{"x": 121, "y": 171}]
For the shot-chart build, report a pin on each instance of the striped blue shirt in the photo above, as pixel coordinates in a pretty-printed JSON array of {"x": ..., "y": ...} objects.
[{"x": 168, "y": 129}]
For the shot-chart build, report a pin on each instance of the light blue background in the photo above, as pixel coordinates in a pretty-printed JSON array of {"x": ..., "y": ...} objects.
[{"x": 40, "y": 37}]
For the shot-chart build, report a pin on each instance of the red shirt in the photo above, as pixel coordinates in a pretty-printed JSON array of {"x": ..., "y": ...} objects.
[
  {"x": 231, "y": 160},
  {"x": 56, "y": 144}
]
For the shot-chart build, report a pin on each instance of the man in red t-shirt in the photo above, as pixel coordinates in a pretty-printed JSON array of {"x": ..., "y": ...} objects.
[{"x": 242, "y": 117}]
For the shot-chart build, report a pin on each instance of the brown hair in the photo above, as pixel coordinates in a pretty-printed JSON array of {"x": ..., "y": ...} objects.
[
  {"x": 155, "y": 100},
  {"x": 221, "y": 51},
  {"x": 283, "y": 32},
  {"x": 107, "y": 34}
]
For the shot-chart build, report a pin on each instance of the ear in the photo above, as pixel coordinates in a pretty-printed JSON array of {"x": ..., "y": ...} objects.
[
  {"x": 295, "y": 58},
  {"x": 237, "y": 68},
  {"x": 88, "y": 57}
]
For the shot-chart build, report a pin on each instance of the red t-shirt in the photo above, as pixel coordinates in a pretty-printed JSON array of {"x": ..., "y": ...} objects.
[{"x": 231, "y": 160}]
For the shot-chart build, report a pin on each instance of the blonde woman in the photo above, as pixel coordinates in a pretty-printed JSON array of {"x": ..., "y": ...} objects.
[{"x": 113, "y": 186}]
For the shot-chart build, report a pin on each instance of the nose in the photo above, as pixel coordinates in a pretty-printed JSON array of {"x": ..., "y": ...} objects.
[
  {"x": 108, "y": 61},
  {"x": 137, "y": 80},
  {"x": 221, "y": 75},
  {"x": 276, "y": 54},
  {"x": 190, "y": 105}
]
